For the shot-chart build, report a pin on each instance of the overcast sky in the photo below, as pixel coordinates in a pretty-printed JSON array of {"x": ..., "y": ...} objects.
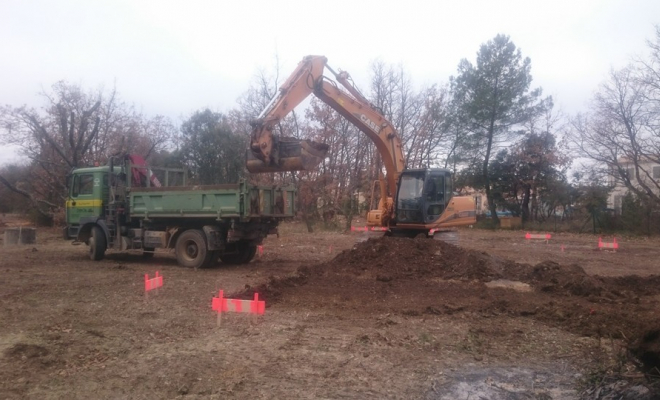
[{"x": 175, "y": 57}]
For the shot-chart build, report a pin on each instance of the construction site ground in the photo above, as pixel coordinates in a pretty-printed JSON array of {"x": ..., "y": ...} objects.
[{"x": 349, "y": 316}]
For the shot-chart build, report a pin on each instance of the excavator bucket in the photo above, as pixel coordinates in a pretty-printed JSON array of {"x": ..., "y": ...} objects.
[{"x": 289, "y": 154}]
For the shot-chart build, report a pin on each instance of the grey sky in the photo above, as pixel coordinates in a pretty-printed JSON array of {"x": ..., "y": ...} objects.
[{"x": 174, "y": 57}]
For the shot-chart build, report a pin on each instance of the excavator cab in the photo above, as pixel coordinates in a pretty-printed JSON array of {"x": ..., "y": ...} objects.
[{"x": 422, "y": 195}]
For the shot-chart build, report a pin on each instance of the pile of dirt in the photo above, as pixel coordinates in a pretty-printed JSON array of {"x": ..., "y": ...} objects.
[
  {"x": 549, "y": 276},
  {"x": 635, "y": 285},
  {"x": 403, "y": 258},
  {"x": 421, "y": 276},
  {"x": 390, "y": 259},
  {"x": 647, "y": 349}
]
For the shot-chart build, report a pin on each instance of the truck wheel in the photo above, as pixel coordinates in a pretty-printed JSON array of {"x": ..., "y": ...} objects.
[
  {"x": 245, "y": 253},
  {"x": 97, "y": 244},
  {"x": 191, "y": 250}
]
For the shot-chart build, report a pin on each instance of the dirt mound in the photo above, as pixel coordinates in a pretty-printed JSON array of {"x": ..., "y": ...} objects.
[
  {"x": 421, "y": 276},
  {"x": 549, "y": 276},
  {"x": 273, "y": 289},
  {"x": 402, "y": 258},
  {"x": 390, "y": 259},
  {"x": 635, "y": 285},
  {"x": 647, "y": 349}
]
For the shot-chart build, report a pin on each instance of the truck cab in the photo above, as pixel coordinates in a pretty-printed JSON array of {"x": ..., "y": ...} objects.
[{"x": 88, "y": 188}]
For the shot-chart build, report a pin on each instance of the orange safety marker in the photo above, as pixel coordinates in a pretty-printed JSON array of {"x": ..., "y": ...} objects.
[
  {"x": 542, "y": 236},
  {"x": 222, "y": 304},
  {"x": 378, "y": 228},
  {"x": 359, "y": 229},
  {"x": 260, "y": 250},
  {"x": 606, "y": 245},
  {"x": 153, "y": 283}
]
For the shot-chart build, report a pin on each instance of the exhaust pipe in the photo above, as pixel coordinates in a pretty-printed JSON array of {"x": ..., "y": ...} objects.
[{"x": 288, "y": 154}]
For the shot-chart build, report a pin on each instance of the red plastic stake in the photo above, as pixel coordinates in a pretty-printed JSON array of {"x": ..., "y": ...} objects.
[
  {"x": 542, "y": 236},
  {"x": 153, "y": 283},
  {"x": 221, "y": 304},
  {"x": 216, "y": 305},
  {"x": 605, "y": 245}
]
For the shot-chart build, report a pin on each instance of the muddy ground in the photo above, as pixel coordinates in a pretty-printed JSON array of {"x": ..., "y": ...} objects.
[{"x": 346, "y": 317}]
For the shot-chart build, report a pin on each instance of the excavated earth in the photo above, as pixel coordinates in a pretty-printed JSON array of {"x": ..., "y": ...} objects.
[
  {"x": 346, "y": 318},
  {"x": 415, "y": 277}
]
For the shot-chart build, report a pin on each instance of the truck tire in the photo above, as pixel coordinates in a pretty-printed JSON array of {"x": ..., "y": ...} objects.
[
  {"x": 97, "y": 244},
  {"x": 191, "y": 250},
  {"x": 245, "y": 253}
]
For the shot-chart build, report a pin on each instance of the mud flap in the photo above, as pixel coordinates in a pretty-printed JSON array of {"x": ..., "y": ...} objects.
[{"x": 289, "y": 154}]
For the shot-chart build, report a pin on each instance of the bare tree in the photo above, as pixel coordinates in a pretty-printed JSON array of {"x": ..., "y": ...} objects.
[
  {"x": 620, "y": 135},
  {"x": 72, "y": 129}
]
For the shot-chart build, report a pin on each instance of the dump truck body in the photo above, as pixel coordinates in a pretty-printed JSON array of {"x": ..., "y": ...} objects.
[{"x": 240, "y": 201}]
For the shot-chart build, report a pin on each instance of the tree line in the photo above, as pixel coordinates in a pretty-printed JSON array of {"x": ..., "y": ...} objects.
[{"x": 488, "y": 124}]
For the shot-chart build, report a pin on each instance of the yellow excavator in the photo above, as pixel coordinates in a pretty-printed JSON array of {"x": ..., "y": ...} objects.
[{"x": 412, "y": 202}]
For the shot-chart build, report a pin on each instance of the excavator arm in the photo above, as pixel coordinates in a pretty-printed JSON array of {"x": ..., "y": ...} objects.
[
  {"x": 286, "y": 154},
  {"x": 269, "y": 153},
  {"x": 308, "y": 78}
]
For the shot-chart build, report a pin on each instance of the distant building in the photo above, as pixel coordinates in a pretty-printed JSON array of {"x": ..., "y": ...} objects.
[
  {"x": 479, "y": 196},
  {"x": 615, "y": 200}
]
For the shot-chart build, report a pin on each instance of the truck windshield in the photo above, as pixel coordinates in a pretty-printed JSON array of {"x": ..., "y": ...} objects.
[{"x": 409, "y": 200}]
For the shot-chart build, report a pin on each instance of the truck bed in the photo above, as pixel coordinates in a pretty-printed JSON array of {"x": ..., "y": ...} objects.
[{"x": 239, "y": 200}]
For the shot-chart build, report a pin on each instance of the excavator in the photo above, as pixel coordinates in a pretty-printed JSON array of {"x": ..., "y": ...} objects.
[{"x": 412, "y": 202}]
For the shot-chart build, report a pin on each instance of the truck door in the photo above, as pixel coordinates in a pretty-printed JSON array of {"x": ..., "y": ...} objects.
[{"x": 83, "y": 198}]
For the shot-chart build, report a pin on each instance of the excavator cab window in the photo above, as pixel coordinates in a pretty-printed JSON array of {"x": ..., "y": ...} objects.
[
  {"x": 410, "y": 198},
  {"x": 436, "y": 194}
]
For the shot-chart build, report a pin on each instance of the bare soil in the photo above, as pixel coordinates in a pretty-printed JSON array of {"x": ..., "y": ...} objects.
[{"x": 348, "y": 316}]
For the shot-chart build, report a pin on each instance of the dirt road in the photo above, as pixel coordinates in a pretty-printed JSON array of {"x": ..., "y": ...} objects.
[{"x": 345, "y": 318}]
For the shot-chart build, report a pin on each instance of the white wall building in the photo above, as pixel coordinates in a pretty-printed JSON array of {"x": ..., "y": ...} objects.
[{"x": 615, "y": 199}]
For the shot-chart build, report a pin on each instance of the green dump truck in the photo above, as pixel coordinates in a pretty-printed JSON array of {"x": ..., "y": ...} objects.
[{"x": 124, "y": 206}]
